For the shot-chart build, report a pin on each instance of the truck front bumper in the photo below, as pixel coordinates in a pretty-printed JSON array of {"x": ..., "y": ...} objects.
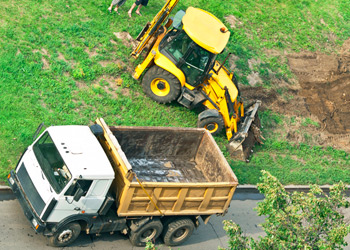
[{"x": 28, "y": 210}]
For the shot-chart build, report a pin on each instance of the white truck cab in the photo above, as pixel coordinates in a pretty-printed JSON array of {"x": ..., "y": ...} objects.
[
  {"x": 67, "y": 173},
  {"x": 145, "y": 182}
]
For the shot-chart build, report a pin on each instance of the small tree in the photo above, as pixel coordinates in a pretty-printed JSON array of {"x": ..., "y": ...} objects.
[{"x": 295, "y": 221}]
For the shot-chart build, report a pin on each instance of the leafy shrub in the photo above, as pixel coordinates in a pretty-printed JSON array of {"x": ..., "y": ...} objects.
[{"x": 295, "y": 221}]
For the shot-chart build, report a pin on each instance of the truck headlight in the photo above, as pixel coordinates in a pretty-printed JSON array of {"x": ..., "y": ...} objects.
[
  {"x": 11, "y": 180},
  {"x": 34, "y": 222}
]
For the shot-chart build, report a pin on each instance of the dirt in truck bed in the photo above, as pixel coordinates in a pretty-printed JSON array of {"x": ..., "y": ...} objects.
[
  {"x": 155, "y": 170},
  {"x": 321, "y": 92}
]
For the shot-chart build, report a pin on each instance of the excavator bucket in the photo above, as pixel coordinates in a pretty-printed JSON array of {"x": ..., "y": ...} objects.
[{"x": 242, "y": 143}]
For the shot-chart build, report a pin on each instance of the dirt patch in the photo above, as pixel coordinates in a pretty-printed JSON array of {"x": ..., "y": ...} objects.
[
  {"x": 91, "y": 52},
  {"x": 233, "y": 21},
  {"x": 46, "y": 64},
  {"x": 61, "y": 57},
  {"x": 119, "y": 63},
  {"x": 321, "y": 93},
  {"x": 325, "y": 83},
  {"x": 126, "y": 39}
]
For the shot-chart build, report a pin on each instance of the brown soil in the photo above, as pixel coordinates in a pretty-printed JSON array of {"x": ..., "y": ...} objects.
[{"x": 321, "y": 93}]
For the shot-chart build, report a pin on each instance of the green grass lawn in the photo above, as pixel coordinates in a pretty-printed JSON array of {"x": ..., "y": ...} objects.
[{"x": 59, "y": 60}]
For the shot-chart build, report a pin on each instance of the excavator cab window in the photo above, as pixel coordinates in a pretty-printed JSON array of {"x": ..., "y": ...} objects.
[
  {"x": 195, "y": 64},
  {"x": 175, "y": 45},
  {"x": 192, "y": 59},
  {"x": 177, "y": 19}
]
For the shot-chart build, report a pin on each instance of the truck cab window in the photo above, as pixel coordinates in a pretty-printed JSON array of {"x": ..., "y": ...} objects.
[
  {"x": 83, "y": 184},
  {"x": 51, "y": 163}
]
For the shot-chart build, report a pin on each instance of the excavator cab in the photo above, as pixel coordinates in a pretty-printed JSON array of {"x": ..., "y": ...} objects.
[{"x": 193, "y": 60}]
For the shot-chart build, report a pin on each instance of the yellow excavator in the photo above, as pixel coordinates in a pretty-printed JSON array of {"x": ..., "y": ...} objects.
[{"x": 180, "y": 64}]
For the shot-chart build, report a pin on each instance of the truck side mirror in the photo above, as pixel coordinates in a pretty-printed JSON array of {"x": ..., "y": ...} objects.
[
  {"x": 78, "y": 194},
  {"x": 38, "y": 131}
]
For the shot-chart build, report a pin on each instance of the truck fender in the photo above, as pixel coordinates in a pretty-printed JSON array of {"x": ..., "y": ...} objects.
[
  {"x": 80, "y": 218},
  {"x": 168, "y": 219},
  {"x": 163, "y": 62},
  {"x": 208, "y": 113},
  {"x": 136, "y": 225}
]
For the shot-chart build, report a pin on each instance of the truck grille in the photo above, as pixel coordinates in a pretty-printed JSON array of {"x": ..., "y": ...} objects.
[{"x": 30, "y": 190}]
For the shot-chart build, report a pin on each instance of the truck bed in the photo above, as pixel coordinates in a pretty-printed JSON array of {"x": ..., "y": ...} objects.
[{"x": 167, "y": 171}]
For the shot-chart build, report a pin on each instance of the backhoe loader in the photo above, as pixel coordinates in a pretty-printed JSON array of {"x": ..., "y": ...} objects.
[{"x": 180, "y": 64}]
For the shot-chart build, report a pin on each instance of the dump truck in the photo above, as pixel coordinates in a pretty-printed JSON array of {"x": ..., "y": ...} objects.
[
  {"x": 144, "y": 182},
  {"x": 181, "y": 65}
]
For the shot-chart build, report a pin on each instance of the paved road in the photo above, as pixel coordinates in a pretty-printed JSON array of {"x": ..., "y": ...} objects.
[{"x": 16, "y": 232}]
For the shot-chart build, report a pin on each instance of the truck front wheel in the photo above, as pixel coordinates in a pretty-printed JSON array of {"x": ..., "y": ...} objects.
[
  {"x": 160, "y": 85},
  {"x": 65, "y": 235},
  {"x": 178, "y": 231},
  {"x": 150, "y": 231}
]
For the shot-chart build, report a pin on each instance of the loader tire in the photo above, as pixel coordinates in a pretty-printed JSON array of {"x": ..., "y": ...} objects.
[
  {"x": 213, "y": 124},
  {"x": 160, "y": 85},
  {"x": 150, "y": 231},
  {"x": 65, "y": 235},
  {"x": 177, "y": 231}
]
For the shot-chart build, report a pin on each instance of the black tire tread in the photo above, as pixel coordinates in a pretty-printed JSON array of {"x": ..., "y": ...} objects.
[
  {"x": 218, "y": 120},
  {"x": 76, "y": 229},
  {"x": 172, "y": 226},
  {"x": 174, "y": 83},
  {"x": 134, "y": 237}
]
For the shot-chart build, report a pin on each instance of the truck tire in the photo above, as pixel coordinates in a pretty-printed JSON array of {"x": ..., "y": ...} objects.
[
  {"x": 214, "y": 124},
  {"x": 150, "y": 231},
  {"x": 160, "y": 85},
  {"x": 178, "y": 231},
  {"x": 65, "y": 235}
]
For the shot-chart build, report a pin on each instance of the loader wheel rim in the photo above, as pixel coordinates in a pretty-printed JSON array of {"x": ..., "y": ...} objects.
[
  {"x": 212, "y": 127},
  {"x": 160, "y": 87}
]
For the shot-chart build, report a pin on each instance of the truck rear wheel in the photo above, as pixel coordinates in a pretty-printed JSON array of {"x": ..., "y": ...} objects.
[
  {"x": 178, "y": 231},
  {"x": 65, "y": 235},
  {"x": 160, "y": 85},
  {"x": 150, "y": 231}
]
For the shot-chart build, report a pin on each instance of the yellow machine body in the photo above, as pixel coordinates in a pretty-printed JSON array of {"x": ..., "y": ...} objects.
[{"x": 216, "y": 90}]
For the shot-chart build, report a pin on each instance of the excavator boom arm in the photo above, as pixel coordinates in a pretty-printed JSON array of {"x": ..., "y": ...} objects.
[{"x": 152, "y": 27}]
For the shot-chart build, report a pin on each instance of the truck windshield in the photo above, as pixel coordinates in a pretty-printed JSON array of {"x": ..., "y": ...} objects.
[{"x": 51, "y": 163}]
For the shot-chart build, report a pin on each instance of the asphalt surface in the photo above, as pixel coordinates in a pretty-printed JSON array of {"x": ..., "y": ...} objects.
[{"x": 16, "y": 232}]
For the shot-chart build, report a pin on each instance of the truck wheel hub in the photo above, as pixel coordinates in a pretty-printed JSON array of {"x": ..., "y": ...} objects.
[
  {"x": 149, "y": 234},
  {"x": 65, "y": 235},
  {"x": 180, "y": 234}
]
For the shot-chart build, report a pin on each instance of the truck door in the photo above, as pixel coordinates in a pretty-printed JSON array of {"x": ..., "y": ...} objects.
[
  {"x": 66, "y": 205},
  {"x": 96, "y": 195}
]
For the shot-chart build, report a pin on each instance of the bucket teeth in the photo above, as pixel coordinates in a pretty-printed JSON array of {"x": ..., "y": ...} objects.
[
  {"x": 240, "y": 147},
  {"x": 257, "y": 134}
]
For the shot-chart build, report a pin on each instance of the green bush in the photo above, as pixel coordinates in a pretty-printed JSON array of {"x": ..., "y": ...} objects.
[{"x": 295, "y": 221}]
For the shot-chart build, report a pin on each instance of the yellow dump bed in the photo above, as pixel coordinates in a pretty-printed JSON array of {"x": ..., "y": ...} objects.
[{"x": 167, "y": 171}]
